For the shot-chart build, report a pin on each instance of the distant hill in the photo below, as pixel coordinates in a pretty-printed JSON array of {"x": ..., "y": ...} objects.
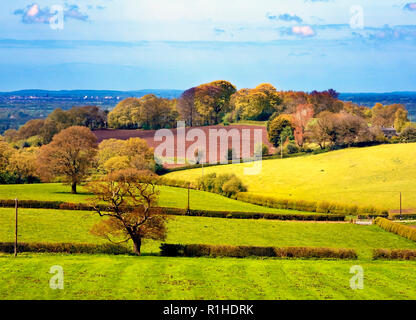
[
  {"x": 164, "y": 93},
  {"x": 370, "y": 99}
]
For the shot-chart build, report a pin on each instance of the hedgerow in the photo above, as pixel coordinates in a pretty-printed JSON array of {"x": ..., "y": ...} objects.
[
  {"x": 201, "y": 250},
  {"x": 253, "y": 215},
  {"x": 57, "y": 205},
  {"x": 401, "y": 230},
  {"x": 407, "y": 216},
  {"x": 395, "y": 254},
  {"x": 310, "y": 206},
  {"x": 72, "y": 248}
]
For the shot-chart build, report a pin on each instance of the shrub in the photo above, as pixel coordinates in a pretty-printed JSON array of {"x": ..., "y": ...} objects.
[
  {"x": 233, "y": 186},
  {"x": 201, "y": 250},
  {"x": 388, "y": 254},
  {"x": 291, "y": 148},
  {"x": 72, "y": 248},
  {"x": 401, "y": 230},
  {"x": 226, "y": 184}
]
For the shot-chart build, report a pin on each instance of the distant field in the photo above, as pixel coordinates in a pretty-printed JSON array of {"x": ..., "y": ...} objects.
[
  {"x": 149, "y": 278},
  {"x": 169, "y": 197},
  {"x": 38, "y": 225},
  {"x": 149, "y": 137},
  {"x": 371, "y": 176}
]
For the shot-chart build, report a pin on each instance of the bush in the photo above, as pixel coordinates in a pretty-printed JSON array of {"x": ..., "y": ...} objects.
[
  {"x": 226, "y": 184},
  {"x": 292, "y": 148},
  {"x": 401, "y": 230},
  {"x": 388, "y": 254},
  {"x": 200, "y": 250},
  {"x": 72, "y": 248}
]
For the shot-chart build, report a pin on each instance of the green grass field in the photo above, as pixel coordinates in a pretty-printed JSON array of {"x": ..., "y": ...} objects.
[
  {"x": 169, "y": 197},
  {"x": 146, "y": 278},
  {"x": 371, "y": 176},
  {"x": 154, "y": 277},
  {"x": 40, "y": 225}
]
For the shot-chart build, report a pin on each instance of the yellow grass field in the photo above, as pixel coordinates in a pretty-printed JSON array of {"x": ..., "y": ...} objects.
[{"x": 363, "y": 176}]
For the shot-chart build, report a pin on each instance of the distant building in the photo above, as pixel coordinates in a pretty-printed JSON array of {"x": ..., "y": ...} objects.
[{"x": 389, "y": 132}]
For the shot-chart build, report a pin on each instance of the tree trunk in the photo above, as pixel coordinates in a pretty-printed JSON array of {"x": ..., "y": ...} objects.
[
  {"x": 137, "y": 243},
  {"x": 74, "y": 187}
]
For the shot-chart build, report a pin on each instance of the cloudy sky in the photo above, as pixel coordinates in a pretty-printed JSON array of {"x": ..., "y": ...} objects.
[{"x": 351, "y": 46}]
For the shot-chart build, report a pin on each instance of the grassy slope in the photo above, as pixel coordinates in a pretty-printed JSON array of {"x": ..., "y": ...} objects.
[
  {"x": 124, "y": 277},
  {"x": 364, "y": 176},
  {"x": 38, "y": 225},
  {"x": 169, "y": 197}
]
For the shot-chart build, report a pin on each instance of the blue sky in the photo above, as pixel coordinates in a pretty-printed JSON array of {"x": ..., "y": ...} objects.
[{"x": 351, "y": 46}]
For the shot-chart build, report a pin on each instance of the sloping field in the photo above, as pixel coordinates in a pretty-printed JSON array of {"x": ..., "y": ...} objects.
[
  {"x": 363, "y": 176},
  {"x": 169, "y": 197},
  {"x": 149, "y": 137}
]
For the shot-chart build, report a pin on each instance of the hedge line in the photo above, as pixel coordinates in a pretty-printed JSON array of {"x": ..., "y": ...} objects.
[
  {"x": 399, "y": 254},
  {"x": 311, "y": 206},
  {"x": 401, "y": 230},
  {"x": 254, "y": 215},
  {"x": 200, "y": 250},
  {"x": 407, "y": 216},
  {"x": 8, "y": 247},
  {"x": 35, "y": 204}
]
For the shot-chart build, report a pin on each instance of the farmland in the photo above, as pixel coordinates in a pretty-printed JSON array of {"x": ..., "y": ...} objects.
[
  {"x": 149, "y": 137},
  {"x": 149, "y": 277},
  {"x": 371, "y": 176},
  {"x": 74, "y": 226},
  {"x": 169, "y": 197},
  {"x": 153, "y": 277}
]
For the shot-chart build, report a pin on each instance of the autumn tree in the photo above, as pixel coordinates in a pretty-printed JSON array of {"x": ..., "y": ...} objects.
[
  {"x": 354, "y": 109},
  {"x": 222, "y": 97},
  {"x": 22, "y": 163},
  {"x": 156, "y": 113},
  {"x": 385, "y": 116},
  {"x": 301, "y": 117},
  {"x": 127, "y": 200},
  {"x": 147, "y": 112},
  {"x": 292, "y": 99},
  {"x": 401, "y": 119},
  {"x": 31, "y": 128},
  {"x": 323, "y": 129},
  {"x": 280, "y": 129},
  {"x": 325, "y": 101},
  {"x": 122, "y": 154},
  {"x": 258, "y": 103},
  {"x": 408, "y": 134},
  {"x": 125, "y": 114},
  {"x": 5, "y": 153},
  {"x": 187, "y": 108},
  {"x": 70, "y": 155}
]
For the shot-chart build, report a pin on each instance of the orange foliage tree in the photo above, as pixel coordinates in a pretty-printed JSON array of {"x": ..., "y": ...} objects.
[
  {"x": 71, "y": 155},
  {"x": 127, "y": 199}
]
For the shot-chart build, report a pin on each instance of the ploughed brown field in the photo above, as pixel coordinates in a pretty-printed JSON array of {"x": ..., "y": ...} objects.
[{"x": 148, "y": 136}]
